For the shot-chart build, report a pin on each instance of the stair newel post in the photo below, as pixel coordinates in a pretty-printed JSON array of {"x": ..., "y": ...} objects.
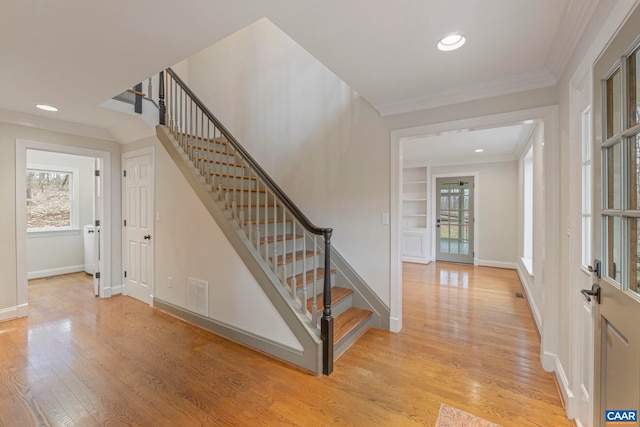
[
  {"x": 275, "y": 236},
  {"x": 314, "y": 285},
  {"x": 326, "y": 323},
  {"x": 161, "y": 104}
]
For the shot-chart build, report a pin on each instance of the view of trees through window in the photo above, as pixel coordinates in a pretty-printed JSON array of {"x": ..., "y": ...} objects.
[{"x": 48, "y": 199}]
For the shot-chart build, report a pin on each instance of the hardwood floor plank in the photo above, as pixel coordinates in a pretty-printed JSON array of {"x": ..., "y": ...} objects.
[{"x": 466, "y": 341}]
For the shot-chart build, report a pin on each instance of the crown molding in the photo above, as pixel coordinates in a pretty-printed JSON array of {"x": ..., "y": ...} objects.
[
  {"x": 495, "y": 87},
  {"x": 54, "y": 125},
  {"x": 572, "y": 26}
]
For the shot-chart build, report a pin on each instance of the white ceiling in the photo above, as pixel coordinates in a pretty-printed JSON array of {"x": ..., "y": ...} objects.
[
  {"x": 76, "y": 54},
  {"x": 504, "y": 143}
]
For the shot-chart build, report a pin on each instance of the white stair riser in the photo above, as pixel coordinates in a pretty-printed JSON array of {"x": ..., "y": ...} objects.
[{"x": 319, "y": 286}]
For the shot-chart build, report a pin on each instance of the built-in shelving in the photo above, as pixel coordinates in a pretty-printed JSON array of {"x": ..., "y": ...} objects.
[{"x": 414, "y": 214}]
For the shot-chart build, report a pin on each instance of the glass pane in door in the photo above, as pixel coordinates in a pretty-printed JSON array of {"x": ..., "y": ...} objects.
[
  {"x": 614, "y": 123},
  {"x": 613, "y": 235},
  {"x": 634, "y": 261},
  {"x": 634, "y": 170},
  {"x": 633, "y": 65},
  {"x": 614, "y": 174}
]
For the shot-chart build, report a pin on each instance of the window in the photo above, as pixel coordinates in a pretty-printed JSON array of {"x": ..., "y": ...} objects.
[
  {"x": 621, "y": 174},
  {"x": 527, "y": 250},
  {"x": 51, "y": 198},
  {"x": 586, "y": 187}
]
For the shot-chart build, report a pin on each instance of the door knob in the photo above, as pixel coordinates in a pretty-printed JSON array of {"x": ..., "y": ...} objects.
[
  {"x": 593, "y": 292},
  {"x": 147, "y": 237}
]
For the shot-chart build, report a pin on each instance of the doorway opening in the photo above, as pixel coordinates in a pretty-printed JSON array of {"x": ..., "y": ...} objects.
[
  {"x": 414, "y": 148},
  {"x": 59, "y": 198}
]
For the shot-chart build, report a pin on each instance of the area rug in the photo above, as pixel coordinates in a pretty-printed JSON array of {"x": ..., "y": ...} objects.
[{"x": 452, "y": 417}]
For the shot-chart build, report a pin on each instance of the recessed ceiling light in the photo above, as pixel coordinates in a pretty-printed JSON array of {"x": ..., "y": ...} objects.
[
  {"x": 46, "y": 107},
  {"x": 479, "y": 150},
  {"x": 451, "y": 42}
]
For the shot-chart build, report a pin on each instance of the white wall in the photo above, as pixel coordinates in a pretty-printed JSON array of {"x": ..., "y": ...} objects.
[
  {"x": 497, "y": 203},
  {"x": 8, "y": 255},
  {"x": 63, "y": 253},
  {"x": 320, "y": 141},
  {"x": 189, "y": 243}
]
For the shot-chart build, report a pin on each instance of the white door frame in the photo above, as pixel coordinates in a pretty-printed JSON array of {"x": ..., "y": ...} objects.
[
  {"x": 22, "y": 146},
  {"x": 476, "y": 209},
  {"x": 128, "y": 155},
  {"x": 549, "y": 115}
]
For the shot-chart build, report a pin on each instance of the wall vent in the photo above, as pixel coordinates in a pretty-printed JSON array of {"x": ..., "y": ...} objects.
[{"x": 198, "y": 296}]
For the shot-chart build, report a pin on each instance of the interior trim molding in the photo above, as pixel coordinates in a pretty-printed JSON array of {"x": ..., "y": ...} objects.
[
  {"x": 47, "y": 123},
  {"x": 504, "y": 86},
  {"x": 574, "y": 23}
]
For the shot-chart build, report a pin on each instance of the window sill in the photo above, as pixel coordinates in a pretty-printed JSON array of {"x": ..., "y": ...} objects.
[
  {"x": 53, "y": 233},
  {"x": 528, "y": 265}
]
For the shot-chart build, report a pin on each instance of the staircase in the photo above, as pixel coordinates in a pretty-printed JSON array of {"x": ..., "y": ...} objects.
[{"x": 296, "y": 256}]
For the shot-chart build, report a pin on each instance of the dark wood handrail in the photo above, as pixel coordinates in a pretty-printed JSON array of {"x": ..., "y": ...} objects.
[
  {"x": 295, "y": 211},
  {"x": 326, "y": 321},
  {"x": 135, "y": 92}
]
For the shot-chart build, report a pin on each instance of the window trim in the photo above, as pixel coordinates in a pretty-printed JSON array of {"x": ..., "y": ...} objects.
[{"x": 74, "y": 201}]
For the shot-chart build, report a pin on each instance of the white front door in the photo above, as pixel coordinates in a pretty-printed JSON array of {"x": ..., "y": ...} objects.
[
  {"x": 138, "y": 226},
  {"x": 579, "y": 229},
  {"x": 617, "y": 223}
]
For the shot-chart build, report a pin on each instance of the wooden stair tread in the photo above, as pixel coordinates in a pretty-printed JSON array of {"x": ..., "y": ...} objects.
[
  {"x": 227, "y": 175},
  {"x": 217, "y": 140},
  {"x": 309, "y": 278},
  {"x": 337, "y": 295},
  {"x": 258, "y": 205},
  {"x": 296, "y": 257},
  {"x": 279, "y": 238},
  {"x": 253, "y": 190},
  {"x": 209, "y": 149},
  {"x": 268, "y": 221},
  {"x": 347, "y": 321}
]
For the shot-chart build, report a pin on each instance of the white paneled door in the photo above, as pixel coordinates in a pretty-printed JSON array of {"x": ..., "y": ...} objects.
[
  {"x": 617, "y": 224},
  {"x": 138, "y": 226}
]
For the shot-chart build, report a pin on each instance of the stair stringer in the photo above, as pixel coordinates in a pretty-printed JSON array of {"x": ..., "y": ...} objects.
[
  {"x": 311, "y": 357},
  {"x": 363, "y": 296}
]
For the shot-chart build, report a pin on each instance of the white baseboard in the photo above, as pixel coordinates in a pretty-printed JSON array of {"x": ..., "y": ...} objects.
[
  {"x": 416, "y": 260},
  {"x": 14, "y": 312},
  {"x": 115, "y": 290},
  {"x": 532, "y": 302},
  {"x": 395, "y": 324},
  {"x": 497, "y": 264},
  {"x": 568, "y": 396},
  {"x": 54, "y": 271},
  {"x": 8, "y": 313}
]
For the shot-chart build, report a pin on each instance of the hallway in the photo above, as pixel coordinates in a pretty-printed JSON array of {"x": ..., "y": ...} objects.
[{"x": 467, "y": 341}]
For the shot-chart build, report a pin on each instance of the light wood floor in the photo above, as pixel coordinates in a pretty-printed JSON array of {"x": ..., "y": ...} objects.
[{"x": 466, "y": 341}]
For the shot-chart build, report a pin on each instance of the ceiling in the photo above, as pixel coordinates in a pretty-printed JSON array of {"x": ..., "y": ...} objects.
[
  {"x": 500, "y": 144},
  {"x": 76, "y": 54}
]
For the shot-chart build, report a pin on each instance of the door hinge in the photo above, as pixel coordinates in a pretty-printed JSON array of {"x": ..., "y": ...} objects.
[
  {"x": 125, "y": 222},
  {"x": 97, "y": 275},
  {"x": 97, "y": 173},
  {"x": 125, "y": 174},
  {"x": 125, "y": 274},
  {"x": 97, "y": 223}
]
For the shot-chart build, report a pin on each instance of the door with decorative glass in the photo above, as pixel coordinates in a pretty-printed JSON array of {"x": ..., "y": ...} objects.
[
  {"x": 617, "y": 241},
  {"x": 454, "y": 219}
]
